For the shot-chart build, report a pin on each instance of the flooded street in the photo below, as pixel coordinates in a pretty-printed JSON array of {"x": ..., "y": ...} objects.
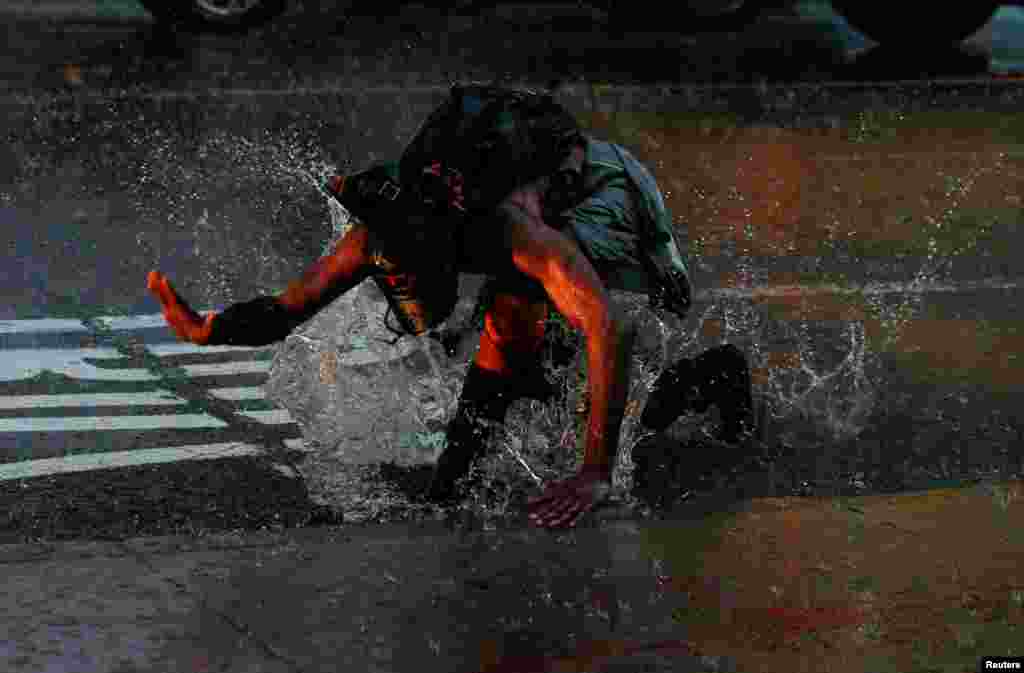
[
  {"x": 855, "y": 240},
  {"x": 851, "y": 222}
]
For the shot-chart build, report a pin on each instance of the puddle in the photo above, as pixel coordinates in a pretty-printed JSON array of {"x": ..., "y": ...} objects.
[
  {"x": 235, "y": 209},
  {"x": 909, "y": 582},
  {"x": 872, "y": 179},
  {"x": 794, "y": 235},
  {"x": 840, "y": 235},
  {"x": 820, "y": 246},
  {"x": 836, "y": 252}
]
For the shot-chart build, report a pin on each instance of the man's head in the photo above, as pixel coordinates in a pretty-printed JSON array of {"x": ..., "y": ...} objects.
[{"x": 413, "y": 244}]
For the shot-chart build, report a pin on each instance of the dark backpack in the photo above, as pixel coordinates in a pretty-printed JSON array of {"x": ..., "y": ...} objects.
[{"x": 482, "y": 143}]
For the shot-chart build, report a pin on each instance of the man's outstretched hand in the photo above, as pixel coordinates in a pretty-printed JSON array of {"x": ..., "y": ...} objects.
[
  {"x": 564, "y": 502},
  {"x": 186, "y": 323}
]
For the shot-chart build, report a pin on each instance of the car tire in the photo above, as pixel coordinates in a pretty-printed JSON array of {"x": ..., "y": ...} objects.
[
  {"x": 627, "y": 16},
  {"x": 206, "y": 16},
  {"x": 944, "y": 24}
]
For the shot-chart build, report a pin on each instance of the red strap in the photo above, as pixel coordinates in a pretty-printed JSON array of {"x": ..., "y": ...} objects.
[{"x": 335, "y": 184}]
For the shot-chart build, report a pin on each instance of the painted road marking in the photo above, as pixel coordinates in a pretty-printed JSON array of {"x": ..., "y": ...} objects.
[
  {"x": 93, "y": 423},
  {"x": 352, "y": 358},
  {"x": 229, "y": 368},
  {"x": 238, "y": 393},
  {"x": 84, "y": 462},
  {"x": 272, "y": 417},
  {"x": 25, "y": 363},
  {"x": 83, "y": 364},
  {"x": 84, "y": 10},
  {"x": 192, "y": 349},
  {"x": 41, "y": 325},
  {"x": 870, "y": 289},
  {"x": 136, "y": 322},
  {"x": 157, "y": 397},
  {"x": 154, "y": 398},
  {"x": 134, "y": 422}
]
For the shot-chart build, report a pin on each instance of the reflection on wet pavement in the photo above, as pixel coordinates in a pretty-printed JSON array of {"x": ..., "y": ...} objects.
[
  {"x": 513, "y": 600},
  {"x": 835, "y": 240},
  {"x": 825, "y": 235}
]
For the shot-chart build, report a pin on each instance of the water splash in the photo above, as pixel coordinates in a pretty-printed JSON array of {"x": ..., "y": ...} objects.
[
  {"x": 246, "y": 205},
  {"x": 829, "y": 386}
]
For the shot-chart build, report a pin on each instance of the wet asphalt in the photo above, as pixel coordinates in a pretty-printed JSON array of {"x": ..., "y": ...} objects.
[{"x": 129, "y": 147}]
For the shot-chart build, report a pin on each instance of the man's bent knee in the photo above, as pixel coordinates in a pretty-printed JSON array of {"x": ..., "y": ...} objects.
[{"x": 513, "y": 334}]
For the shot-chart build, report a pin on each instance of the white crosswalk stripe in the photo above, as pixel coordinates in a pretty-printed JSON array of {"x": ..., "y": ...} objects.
[
  {"x": 91, "y": 423},
  {"x": 94, "y": 400},
  {"x": 99, "y": 461},
  {"x": 239, "y": 393},
  {"x": 271, "y": 417},
  {"x": 121, "y": 399},
  {"x": 27, "y": 418},
  {"x": 41, "y": 325},
  {"x": 24, "y": 363},
  {"x": 228, "y": 368},
  {"x": 190, "y": 349}
]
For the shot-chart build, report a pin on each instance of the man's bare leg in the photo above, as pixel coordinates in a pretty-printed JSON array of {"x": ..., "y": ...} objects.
[
  {"x": 506, "y": 368},
  {"x": 719, "y": 376}
]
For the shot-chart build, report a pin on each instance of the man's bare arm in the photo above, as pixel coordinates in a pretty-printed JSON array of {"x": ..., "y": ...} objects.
[
  {"x": 265, "y": 320},
  {"x": 573, "y": 285},
  {"x": 329, "y": 277}
]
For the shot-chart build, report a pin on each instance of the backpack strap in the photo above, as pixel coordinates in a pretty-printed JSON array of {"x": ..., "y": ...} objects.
[{"x": 662, "y": 257}]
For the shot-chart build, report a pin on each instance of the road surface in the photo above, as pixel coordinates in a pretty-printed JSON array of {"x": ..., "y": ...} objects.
[{"x": 200, "y": 155}]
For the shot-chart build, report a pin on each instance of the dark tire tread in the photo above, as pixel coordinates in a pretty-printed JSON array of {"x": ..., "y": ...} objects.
[{"x": 186, "y": 15}]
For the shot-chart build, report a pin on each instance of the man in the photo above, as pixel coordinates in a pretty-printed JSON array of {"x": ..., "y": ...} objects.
[{"x": 503, "y": 183}]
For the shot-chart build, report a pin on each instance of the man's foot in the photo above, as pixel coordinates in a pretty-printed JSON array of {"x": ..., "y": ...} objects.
[
  {"x": 675, "y": 392},
  {"x": 485, "y": 397},
  {"x": 719, "y": 376},
  {"x": 466, "y": 440},
  {"x": 732, "y": 392}
]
